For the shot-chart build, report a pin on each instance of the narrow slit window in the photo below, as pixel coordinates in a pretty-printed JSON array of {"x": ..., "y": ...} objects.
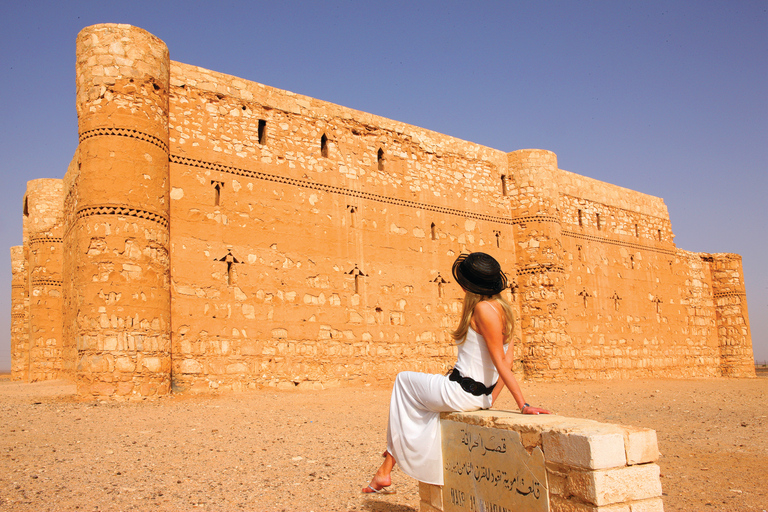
[
  {"x": 352, "y": 216},
  {"x": 503, "y": 185},
  {"x": 380, "y": 159},
  {"x": 632, "y": 261},
  {"x": 497, "y": 234},
  {"x": 581, "y": 218},
  {"x": 598, "y": 221},
  {"x": 433, "y": 231},
  {"x": 659, "y": 235},
  {"x": 637, "y": 231},
  {"x": 217, "y": 187},
  {"x": 324, "y": 146},
  {"x": 262, "y": 132}
]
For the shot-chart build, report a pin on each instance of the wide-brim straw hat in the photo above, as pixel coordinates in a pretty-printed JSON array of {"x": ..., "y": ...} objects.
[{"x": 479, "y": 273}]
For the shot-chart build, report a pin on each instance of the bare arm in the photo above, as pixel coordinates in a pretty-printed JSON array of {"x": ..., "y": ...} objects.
[{"x": 490, "y": 327}]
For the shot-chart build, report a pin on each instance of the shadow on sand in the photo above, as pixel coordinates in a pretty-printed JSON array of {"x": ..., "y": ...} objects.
[{"x": 374, "y": 505}]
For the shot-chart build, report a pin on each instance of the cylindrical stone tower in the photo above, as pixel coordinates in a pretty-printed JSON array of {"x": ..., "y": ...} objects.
[
  {"x": 731, "y": 316},
  {"x": 118, "y": 209},
  {"x": 534, "y": 195},
  {"x": 19, "y": 315},
  {"x": 44, "y": 203}
]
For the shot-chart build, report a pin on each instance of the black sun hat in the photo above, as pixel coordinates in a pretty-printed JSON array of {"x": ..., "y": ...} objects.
[{"x": 479, "y": 273}]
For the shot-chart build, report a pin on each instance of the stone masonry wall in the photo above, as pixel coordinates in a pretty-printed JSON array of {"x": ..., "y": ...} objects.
[
  {"x": 312, "y": 244},
  {"x": 218, "y": 234}
]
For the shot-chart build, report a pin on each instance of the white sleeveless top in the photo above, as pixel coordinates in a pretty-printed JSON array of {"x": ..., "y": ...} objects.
[{"x": 474, "y": 360}]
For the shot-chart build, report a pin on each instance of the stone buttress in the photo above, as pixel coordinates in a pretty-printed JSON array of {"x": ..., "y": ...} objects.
[
  {"x": 118, "y": 298},
  {"x": 43, "y": 208},
  {"x": 534, "y": 195}
]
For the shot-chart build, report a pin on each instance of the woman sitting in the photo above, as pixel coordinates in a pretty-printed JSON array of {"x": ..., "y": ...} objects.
[{"x": 483, "y": 368}]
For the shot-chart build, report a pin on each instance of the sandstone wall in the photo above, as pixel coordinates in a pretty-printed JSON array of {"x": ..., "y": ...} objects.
[
  {"x": 312, "y": 244},
  {"x": 216, "y": 234}
]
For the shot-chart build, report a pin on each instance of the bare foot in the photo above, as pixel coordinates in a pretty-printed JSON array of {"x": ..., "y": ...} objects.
[
  {"x": 378, "y": 483},
  {"x": 383, "y": 477}
]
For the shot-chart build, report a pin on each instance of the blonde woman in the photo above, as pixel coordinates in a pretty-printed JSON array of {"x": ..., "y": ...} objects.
[{"x": 483, "y": 368}]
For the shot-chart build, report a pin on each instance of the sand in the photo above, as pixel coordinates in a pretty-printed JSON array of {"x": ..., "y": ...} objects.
[{"x": 314, "y": 450}]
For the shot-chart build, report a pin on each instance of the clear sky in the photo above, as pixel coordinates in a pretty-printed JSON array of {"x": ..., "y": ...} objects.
[{"x": 666, "y": 98}]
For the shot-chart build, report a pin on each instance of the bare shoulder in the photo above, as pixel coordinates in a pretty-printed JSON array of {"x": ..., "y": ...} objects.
[
  {"x": 487, "y": 307},
  {"x": 486, "y": 311}
]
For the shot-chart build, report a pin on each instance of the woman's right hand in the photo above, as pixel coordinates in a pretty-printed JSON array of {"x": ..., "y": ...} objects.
[{"x": 529, "y": 409}]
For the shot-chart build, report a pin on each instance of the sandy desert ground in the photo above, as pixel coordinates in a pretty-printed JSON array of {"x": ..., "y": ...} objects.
[{"x": 314, "y": 450}]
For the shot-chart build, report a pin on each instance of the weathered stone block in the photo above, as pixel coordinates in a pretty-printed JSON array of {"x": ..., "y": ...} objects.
[
  {"x": 191, "y": 366},
  {"x": 652, "y": 505},
  {"x": 559, "y": 504},
  {"x": 620, "y": 485},
  {"x": 585, "y": 450},
  {"x": 641, "y": 445}
]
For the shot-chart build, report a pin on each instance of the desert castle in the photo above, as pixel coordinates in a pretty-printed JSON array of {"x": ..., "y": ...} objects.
[{"x": 212, "y": 233}]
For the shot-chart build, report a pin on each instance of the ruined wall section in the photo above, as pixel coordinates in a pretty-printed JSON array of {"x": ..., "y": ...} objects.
[
  {"x": 117, "y": 233},
  {"x": 731, "y": 314},
  {"x": 312, "y": 244},
  {"x": 19, "y": 315},
  {"x": 638, "y": 306},
  {"x": 43, "y": 205}
]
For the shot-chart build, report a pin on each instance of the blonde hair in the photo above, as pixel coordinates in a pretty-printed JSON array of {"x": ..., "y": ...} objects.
[{"x": 470, "y": 301}]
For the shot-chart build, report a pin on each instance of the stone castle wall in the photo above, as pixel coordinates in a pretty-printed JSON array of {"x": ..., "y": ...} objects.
[{"x": 219, "y": 234}]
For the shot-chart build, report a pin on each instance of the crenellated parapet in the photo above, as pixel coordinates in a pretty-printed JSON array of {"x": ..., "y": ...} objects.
[{"x": 118, "y": 218}]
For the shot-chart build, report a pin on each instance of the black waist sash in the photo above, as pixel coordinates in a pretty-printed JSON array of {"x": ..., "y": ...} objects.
[{"x": 470, "y": 385}]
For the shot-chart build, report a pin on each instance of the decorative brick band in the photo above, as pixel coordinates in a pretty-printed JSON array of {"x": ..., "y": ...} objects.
[
  {"x": 535, "y": 218},
  {"x": 46, "y": 282},
  {"x": 42, "y": 239},
  {"x": 540, "y": 268},
  {"x": 335, "y": 190},
  {"x": 728, "y": 294},
  {"x": 122, "y": 210},
  {"x": 125, "y": 132},
  {"x": 593, "y": 238},
  {"x": 18, "y": 286}
]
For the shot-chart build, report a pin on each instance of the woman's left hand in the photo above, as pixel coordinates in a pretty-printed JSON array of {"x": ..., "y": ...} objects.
[{"x": 529, "y": 409}]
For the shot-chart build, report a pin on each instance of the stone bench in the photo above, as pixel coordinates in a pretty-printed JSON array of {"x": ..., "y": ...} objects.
[{"x": 499, "y": 461}]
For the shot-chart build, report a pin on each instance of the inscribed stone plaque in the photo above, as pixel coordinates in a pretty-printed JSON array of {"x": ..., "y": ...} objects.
[{"x": 488, "y": 470}]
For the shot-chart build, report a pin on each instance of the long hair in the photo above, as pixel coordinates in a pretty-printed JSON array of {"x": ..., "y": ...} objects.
[{"x": 470, "y": 301}]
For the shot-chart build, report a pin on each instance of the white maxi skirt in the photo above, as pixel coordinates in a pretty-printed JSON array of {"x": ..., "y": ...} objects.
[{"x": 413, "y": 432}]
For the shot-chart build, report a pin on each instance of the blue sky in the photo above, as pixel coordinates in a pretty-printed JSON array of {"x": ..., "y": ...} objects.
[{"x": 667, "y": 98}]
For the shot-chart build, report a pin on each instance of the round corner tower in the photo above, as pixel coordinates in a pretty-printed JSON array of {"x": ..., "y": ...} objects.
[
  {"x": 19, "y": 315},
  {"x": 537, "y": 232},
  {"x": 118, "y": 215},
  {"x": 43, "y": 208}
]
